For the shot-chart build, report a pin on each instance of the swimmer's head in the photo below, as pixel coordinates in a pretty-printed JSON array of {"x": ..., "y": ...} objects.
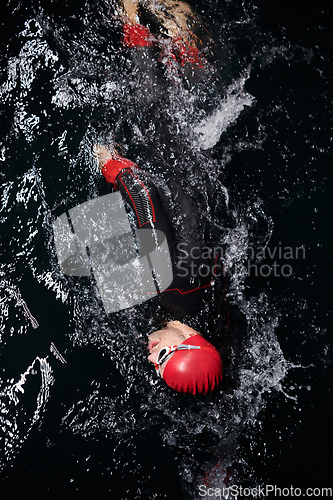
[{"x": 184, "y": 359}]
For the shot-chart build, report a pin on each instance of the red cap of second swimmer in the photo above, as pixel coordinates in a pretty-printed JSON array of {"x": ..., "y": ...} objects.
[
  {"x": 136, "y": 36},
  {"x": 114, "y": 166},
  {"x": 194, "y": 371}
]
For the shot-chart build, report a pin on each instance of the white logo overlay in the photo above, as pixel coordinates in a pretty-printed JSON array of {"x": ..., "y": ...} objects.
[{"x": 129, "y": 265}]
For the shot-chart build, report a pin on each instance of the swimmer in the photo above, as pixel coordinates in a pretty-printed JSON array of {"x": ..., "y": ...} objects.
[
  {"x": 182, "y": 357},
  {"x": 176, "y": 19},
  {"x": 176, "y": 23}
]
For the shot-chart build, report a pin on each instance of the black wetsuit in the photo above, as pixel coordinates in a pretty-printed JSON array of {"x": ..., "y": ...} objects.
[{"x": 192, "y": 263}]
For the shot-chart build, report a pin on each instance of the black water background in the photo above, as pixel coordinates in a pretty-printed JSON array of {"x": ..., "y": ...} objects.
[{"x": 291, "y": 175}]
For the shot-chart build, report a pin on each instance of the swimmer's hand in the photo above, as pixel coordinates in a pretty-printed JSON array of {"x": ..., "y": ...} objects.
[
  {"x": 131, "y": 11},
  {"x": 111, "y": 163},
  {"x": 102, "y": 154}
]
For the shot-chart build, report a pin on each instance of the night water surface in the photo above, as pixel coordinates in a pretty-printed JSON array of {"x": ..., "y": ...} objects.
[{"x": 249, "y": 137}]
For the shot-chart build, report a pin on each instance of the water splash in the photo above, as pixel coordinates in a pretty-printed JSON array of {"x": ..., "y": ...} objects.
[
  {"x": 15, "y": 422},
  {"x": 207, "y": 132}
]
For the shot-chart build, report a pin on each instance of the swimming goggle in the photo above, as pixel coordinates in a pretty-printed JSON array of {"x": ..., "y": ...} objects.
[{"x": 166, "y": 352}]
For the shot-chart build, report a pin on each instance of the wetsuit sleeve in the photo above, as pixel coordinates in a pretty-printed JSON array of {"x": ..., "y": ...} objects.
[
  {"x": 185, "y": 294},
  {"x": 114, "y": 166},
  {"x": 142, "y": 195}
]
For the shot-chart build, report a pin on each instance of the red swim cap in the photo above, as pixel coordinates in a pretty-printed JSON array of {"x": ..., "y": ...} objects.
[
  {"x": 114, "y": 166},
  {"x": 136, "y": 36},
  {"x": 194, "y": 371}
]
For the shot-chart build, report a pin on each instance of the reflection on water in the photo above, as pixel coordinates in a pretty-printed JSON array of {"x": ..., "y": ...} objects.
[{"x": 76, "y": 385}]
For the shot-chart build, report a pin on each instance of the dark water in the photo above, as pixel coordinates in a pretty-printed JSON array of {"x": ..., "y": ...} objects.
[{"x": 257, "y": 125}]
